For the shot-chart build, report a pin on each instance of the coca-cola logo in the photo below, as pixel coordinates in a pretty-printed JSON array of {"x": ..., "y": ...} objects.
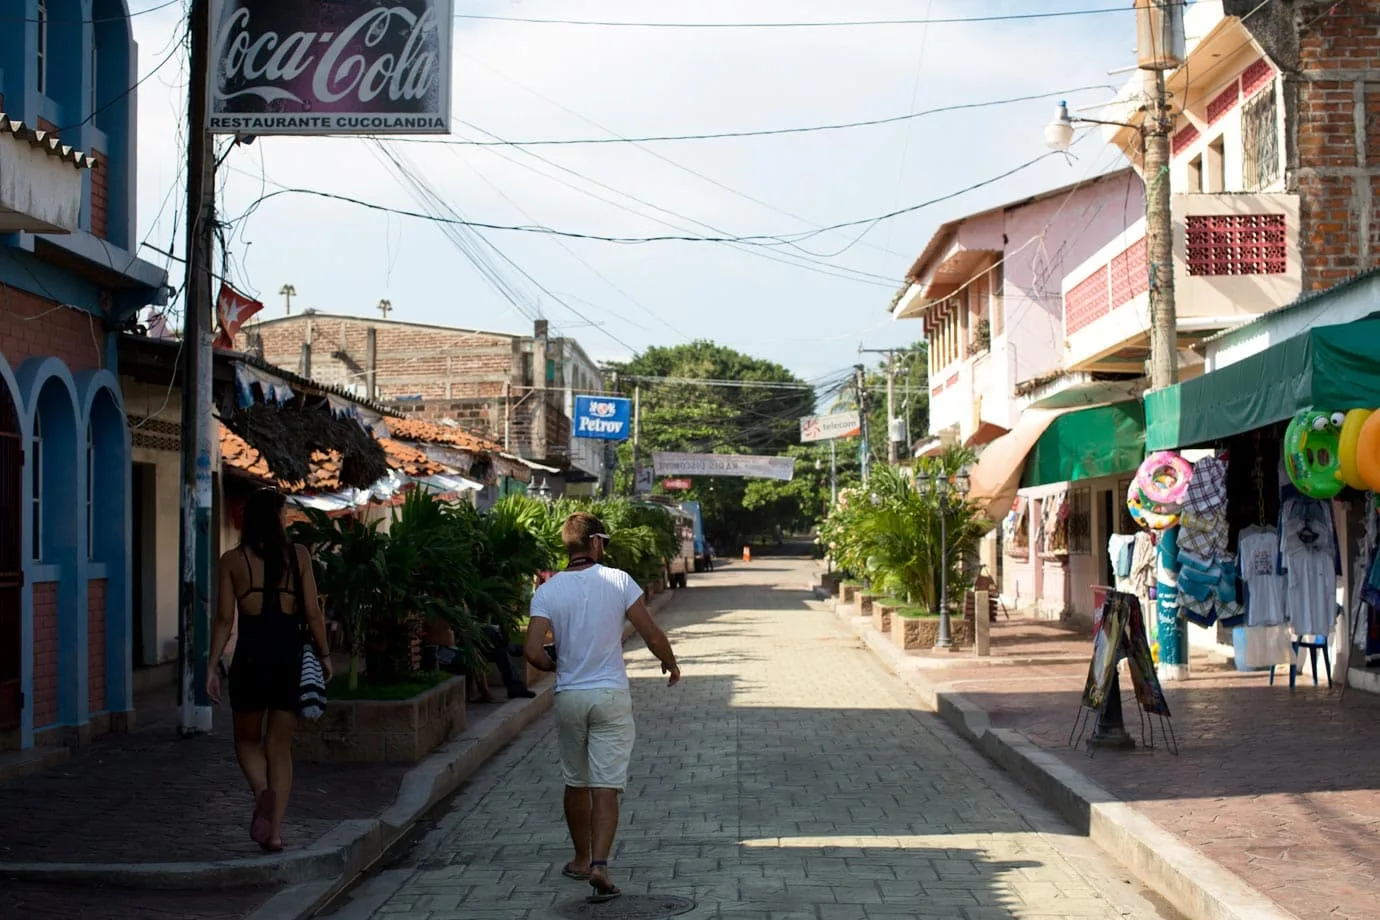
[{"x": 387, "y": 58}]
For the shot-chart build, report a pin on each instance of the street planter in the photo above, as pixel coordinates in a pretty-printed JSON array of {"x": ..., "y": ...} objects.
[
  {"x": 848, "y": 593},
  {"x": 384, "y": 731},
  {"x": 911, "y": 632},
  {"x": 865, "y": 602},
  {"x": 882, "y": 615},
  {"x": 829, "y": 583}
]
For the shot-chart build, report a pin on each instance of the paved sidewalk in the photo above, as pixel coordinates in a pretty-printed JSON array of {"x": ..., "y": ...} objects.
[
  {"x": 1280, "y": 788},
  {"x": 788, "y": 776}
]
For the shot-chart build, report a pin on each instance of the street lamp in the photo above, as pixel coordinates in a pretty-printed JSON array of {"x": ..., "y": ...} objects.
[
  {"x": 945, "y": 489},
  {"x": 1159, "y": 220}
]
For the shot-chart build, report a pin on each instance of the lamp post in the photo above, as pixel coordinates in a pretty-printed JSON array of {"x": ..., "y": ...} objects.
[{"x": 945, "y": 489}]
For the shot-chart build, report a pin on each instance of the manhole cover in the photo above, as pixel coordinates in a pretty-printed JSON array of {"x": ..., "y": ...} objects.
[{"x": 628, "y": 907}]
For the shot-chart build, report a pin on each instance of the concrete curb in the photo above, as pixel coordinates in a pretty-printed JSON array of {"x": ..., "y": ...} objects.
[
  {"x": 1195, "y": 885},
  {"x": 345, "y": 850}
]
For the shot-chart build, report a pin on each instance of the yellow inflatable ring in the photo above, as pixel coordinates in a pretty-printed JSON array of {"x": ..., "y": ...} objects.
[
  {"x": 1368, "y": 452},
  {"x": 1348, "y": 472},
  {"x": 1144, "y": 513}
]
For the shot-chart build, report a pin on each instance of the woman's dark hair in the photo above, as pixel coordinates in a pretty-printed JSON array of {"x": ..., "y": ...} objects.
[{"x": 264, "y": 534}]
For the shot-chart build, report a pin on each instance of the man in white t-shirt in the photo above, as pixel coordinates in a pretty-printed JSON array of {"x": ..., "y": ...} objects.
[{"x": 584, "y": 608}]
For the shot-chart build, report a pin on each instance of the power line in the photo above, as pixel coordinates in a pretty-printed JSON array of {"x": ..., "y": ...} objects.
[
  {"x": 121, "y": 18},
  {"x": 707, "y": 382},
  {"x": 765, "y": 132},
  {"x": 856, "y": 23},
  {"x": 779, "y": 239}
]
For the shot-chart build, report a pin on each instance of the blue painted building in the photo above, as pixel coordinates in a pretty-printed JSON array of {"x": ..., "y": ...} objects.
[{"x": 70, "y": 278}]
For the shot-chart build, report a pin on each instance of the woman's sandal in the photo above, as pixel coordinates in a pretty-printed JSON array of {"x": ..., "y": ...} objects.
[
  {"x": 569, "y": 871},
  {"x": 602, "y": 893},
  {"x": 261, "y": 824}
]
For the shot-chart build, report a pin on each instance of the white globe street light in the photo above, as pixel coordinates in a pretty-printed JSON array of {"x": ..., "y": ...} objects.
[{"x": 1059, "y": 133}]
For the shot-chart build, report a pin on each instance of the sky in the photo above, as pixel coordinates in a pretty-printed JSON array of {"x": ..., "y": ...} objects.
[{"x": 809, "y": 307}]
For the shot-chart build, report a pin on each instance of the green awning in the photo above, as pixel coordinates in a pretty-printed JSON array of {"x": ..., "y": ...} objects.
[
  {"x": 1103, "y": 441},
  {"x": 1332, "y": 368}
]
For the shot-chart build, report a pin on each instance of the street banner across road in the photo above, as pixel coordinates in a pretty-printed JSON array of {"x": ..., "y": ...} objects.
[
  {"x": 752, "y": 467},
  {"x": 829, "y": 427},
  {"x": 603, "y": 418},
  {"x": 344, "y": 67}
]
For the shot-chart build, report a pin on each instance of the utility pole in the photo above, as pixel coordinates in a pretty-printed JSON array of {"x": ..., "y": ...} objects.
[
  {"x": 833, "y": 473},
  {"x": 1159, "y": 239},
  {"x": 890, "y": 408},
  {"x": 194, "y": 596},
  {"x": 637, "y": 436},
  {"x": 865, "y": 448}
]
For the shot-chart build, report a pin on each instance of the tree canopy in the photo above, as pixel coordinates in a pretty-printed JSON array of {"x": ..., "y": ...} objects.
[{"x": 740, "y": 414}]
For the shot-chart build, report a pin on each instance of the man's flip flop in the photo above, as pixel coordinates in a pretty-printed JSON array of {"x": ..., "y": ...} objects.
[
  {"x": 604, "y": 894},
  {"x": 571, "y": 873}
]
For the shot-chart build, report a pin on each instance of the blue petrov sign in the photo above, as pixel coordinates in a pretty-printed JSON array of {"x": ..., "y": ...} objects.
[{"x": 605, "y": 418}]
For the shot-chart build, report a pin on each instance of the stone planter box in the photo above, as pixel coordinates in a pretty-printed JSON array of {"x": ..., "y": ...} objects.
[
  {"x": 883, "y": 617},
  {"x": 865, "y": 602},
  {"x": 848, "y": 594},
  {"x": 384, "y": 731},
  {"x": 911, "y": 633},
  {"x": 829, "y": 583}
]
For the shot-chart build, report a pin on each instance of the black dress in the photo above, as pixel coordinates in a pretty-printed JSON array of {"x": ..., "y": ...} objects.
[{"x": 266, "y": 672}]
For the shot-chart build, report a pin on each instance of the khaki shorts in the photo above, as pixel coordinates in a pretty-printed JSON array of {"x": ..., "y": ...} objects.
[{"x": 595, "y": 731}]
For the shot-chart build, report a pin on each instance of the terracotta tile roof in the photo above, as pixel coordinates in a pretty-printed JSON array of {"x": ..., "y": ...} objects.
[
  {"x": 411, "y": 429},
  {"x": 409, "y": 460},
  {"x": 236, "y": 454}
]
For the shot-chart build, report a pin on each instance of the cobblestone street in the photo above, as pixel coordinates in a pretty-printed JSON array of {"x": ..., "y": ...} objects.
[{"x": 786, "y": 777}]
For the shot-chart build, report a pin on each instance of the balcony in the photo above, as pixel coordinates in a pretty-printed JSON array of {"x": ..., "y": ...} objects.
[
  {"x": 1235, "y": 256},
  {"x": 40, "y": 180},
  {"x": 971, "y": 401}
]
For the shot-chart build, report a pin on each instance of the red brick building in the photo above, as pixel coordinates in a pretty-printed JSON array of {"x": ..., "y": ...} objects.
[{"x": 511, "y": 389}]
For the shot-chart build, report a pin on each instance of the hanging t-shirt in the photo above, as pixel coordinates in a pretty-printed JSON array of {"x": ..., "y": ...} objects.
[
  {"x": 1308, "y": 544},
  {"x": 1264, "y": 583}
]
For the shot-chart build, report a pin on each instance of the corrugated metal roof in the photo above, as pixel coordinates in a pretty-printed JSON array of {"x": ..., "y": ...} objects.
[{"x": 48, "y": 142}]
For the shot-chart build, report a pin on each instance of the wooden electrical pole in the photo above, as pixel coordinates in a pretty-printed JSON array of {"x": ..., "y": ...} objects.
[
  {"x": 194, "y": 596},
  {"x": 1159, "y": 239}
]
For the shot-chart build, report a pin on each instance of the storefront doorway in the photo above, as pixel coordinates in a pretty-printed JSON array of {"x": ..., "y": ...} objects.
[{"x": 11, "y": 563}]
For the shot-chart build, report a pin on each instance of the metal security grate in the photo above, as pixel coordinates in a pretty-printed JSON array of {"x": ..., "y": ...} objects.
[{"x": 1237, "y": 244}]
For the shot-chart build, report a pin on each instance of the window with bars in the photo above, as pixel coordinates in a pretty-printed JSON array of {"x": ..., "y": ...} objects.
[
  {"x": 1260, "y": 142},
  {"x": 1237, "y": 244},
  {"x": 1080, "y": 522},
  {"x": 41, "y": 58},
  {"x": 1124, "y": 522}
]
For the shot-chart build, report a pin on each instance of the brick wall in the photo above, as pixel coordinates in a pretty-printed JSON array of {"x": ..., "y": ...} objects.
[
  {"x": 45, "y": 654},
  {"x": 100, "y": 196},
  {"x": 424, "y": 361},
  {"x": 1338, "y": 139},
  {"x": 95, "y": 643},
  {"x": 32, "y": 326}
]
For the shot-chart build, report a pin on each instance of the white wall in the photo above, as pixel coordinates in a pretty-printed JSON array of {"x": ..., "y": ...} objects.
[{"x": 1356, "y": 301}]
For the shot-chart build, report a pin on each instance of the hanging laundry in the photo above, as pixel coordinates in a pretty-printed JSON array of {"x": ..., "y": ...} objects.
[{"x": 1310, "y": 563}]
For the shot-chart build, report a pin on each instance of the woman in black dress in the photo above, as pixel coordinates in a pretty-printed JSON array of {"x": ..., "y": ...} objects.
[{"x": 270, "y": 583}]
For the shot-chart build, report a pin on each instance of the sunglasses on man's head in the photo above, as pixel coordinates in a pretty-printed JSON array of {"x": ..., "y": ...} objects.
[{"x": 602, "y": 536}]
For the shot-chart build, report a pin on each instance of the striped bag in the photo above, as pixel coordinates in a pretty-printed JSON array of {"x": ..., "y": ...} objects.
[{"x": 311, "y": 704}]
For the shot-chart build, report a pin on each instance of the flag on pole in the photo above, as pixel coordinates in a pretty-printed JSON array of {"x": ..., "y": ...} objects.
[{"x": 232, "y": 309}]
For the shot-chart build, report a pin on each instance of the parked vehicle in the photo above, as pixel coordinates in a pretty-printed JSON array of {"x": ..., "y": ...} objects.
[
  {"x": 704, "y": 560},
  {"x": 679, "y": 566}
]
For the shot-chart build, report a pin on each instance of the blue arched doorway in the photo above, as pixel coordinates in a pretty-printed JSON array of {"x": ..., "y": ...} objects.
[{"x": 11, "y": 562}]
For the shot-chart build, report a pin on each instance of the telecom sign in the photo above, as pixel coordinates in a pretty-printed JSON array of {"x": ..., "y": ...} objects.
[
  {"x": 830, "y": 427},
  {"x": 603, "y": 418}
]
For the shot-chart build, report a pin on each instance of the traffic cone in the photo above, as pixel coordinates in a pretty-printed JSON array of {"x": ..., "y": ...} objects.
[{"x": 747, "y": 553}]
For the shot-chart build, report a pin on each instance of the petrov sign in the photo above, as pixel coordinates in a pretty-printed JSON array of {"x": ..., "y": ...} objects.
[
  {"x": 604, "y": 418},
  {"x": 344, "y": 67}
]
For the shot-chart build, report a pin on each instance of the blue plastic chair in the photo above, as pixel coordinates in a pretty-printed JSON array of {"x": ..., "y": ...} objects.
[{"x": 1313, "y": 644}]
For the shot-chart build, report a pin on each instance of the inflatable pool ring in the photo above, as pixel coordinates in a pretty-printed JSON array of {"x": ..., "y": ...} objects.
[
  {"x": 1147, "y": 514},
  {"x": 1311, "y": 458},
  {"x": 1347, "y": 470},
  {"x": 1163, "y": 478},
  {"x": 1368, "y": 452}
]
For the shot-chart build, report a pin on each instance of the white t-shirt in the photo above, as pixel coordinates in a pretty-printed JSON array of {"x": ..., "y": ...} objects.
[
  {"x": 1264, "y": 584},
  {"x": 586, "y": 609}
]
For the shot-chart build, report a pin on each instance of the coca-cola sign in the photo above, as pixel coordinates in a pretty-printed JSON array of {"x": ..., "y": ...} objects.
[{"x": 330, "y": 66}]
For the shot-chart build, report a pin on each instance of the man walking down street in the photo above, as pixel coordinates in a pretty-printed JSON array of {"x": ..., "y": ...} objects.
[{"x": 583, "y": 607}]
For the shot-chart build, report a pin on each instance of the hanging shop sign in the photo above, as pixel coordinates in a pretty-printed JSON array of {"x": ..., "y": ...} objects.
[
  {"x": 782, "y": 468},
  {"x": 829, "y": 427},
  {"x": 603, "y": 418},
  {"x": 345, "y": 67},
  {"x": 676, "y": 485}
]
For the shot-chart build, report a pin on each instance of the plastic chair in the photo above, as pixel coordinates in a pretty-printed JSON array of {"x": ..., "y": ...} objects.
[{"x": 1313, "y": 644}]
